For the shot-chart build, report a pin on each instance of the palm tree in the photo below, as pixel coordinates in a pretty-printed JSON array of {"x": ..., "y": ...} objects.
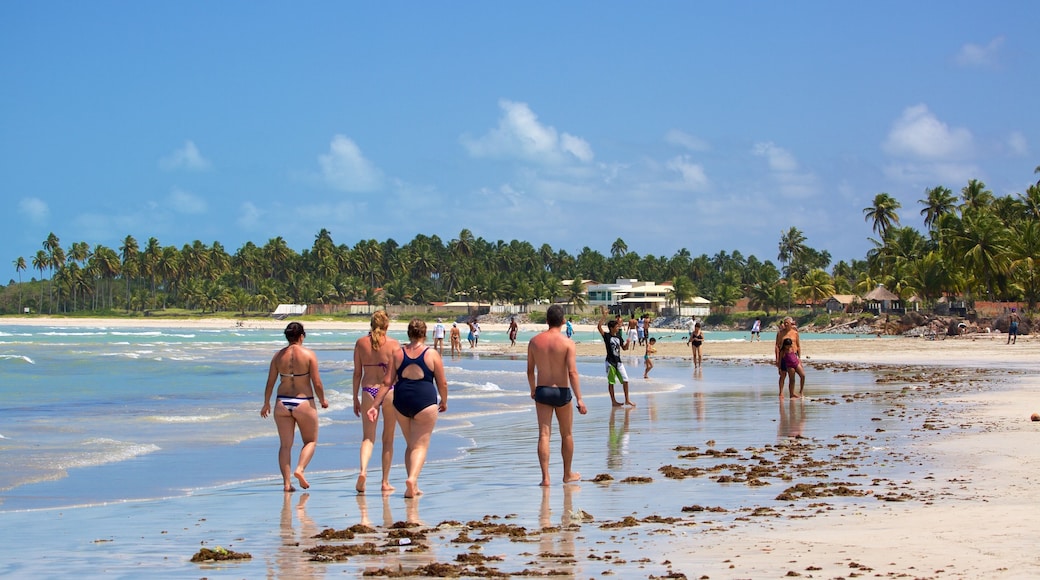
[
  {"x": 975, "y": 195},
  {"x": 815, "y": 287},
  {"x": 683, "y": 291},
  {"x": 19, "y": 266},
  {"x": 882, "y": 212},
  {"x": 938, "y": 202},
  {"x": 619, "y": 248},
  {"x": 40, "y": 262},
  {"x": 128, "y": 254},
  {"x": 791, "y": 248}
]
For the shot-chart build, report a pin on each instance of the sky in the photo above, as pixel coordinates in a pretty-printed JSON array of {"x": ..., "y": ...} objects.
[{"x": 709, "y": 126}]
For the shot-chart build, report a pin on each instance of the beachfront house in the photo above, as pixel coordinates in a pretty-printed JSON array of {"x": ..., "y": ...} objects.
[
  {"x": 629, "y": 295},
  {"x": 881, "y": 300},
  {"x": 841, "y": 303}
]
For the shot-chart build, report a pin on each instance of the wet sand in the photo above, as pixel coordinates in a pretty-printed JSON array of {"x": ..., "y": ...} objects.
[{"x": 954, "y": 499}]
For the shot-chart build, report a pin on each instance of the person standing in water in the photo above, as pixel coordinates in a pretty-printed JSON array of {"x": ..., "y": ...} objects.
[
  {"x": 552, "y": 374},
  {"x": 295, "y": 369}
]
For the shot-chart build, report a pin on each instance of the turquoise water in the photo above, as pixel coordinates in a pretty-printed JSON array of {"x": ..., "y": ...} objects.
[{"x": 101, "y": 415}]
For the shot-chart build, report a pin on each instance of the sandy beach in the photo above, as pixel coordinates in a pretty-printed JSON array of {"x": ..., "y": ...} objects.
[{"x": 965, "y": 509}]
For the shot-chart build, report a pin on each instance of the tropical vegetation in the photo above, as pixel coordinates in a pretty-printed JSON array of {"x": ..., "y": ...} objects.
[{"x": 976, "y": 245}]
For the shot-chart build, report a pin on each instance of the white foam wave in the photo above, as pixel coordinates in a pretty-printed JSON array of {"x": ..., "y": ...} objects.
[
  {"x": 188, "y": 418},
  {"x": 486, "y": 387},
  {"x": 57, "y": 333},
  {"x": 101, "y": 451},
  {"x": 17, "y": 357}
]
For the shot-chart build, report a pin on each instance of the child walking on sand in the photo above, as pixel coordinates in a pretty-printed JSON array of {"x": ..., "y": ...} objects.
[
  {"x": 789, "y": 365},
  {"x": 648, "y": 363}
]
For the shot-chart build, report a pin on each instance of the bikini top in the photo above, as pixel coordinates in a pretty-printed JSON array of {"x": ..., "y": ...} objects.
[{"x": 419, "y": 361}]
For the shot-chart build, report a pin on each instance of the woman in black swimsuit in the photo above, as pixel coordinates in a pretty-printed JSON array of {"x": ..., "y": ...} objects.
[
  {"x": 372, "y": 357},
  {"x": 420, "y": 393},
  {"x": 696, "y": 340},
  {"x": 297, "y": 369}
]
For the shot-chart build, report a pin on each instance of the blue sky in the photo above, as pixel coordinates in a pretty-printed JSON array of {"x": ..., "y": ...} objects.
[{"x": 706, "y": 126}]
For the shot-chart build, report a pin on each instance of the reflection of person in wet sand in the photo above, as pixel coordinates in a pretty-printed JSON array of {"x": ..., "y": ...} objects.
[
  {"x": 362, "y": 503},
  {"x": 288, "y": 560},
  {"x": 617, "y": 439},
  {"x": 552, "y": 374},
  {"x": 564, "y": 565},
  {"x": 295, "y": 368},
  {"x": 792, "y": 419}
]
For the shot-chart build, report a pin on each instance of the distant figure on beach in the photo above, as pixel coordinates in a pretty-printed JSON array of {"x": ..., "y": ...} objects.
[
  {"x": 552, "y": 374},
  {"x": 438, "y": 336},
  {"x": 787, "y": 329},
  {"x": 372, "y": 357},
  {"x": 615, "y": 368},
  {"x": 633, "y": 331},
  {"x": 648, "y": 361},
  {"x": 1013, "y": 327},
  {"x": 756, "y": 331},
  {"x": 472, "y": 323},
  {"x": 455, "y": 339},
  {"x": 696, "y": 340},
  {"x": 295, "y": 367},
  {"x": 570, "y": 327},
  {"x": 420, "y": 393},
  {"x": 641, "y": 336},
  {"x": 513, "y": 328},
  {"x": 646, "y": 327},
  {"x": 792, "y": 365},
  {"x": 476, "y": 332}
]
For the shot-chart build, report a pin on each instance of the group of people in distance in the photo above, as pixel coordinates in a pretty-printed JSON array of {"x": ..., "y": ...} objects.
[{"x": 411, "y": 379}]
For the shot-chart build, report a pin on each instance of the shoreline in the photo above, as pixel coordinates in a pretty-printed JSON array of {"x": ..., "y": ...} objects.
[{"x": 971, "y": 516}]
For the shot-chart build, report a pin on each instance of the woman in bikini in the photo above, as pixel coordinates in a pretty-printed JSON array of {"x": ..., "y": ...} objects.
[
  {"x": 295, "y": 368},
  {"x": 420, "y": 393},
  {"x": 372, "y": 357}
]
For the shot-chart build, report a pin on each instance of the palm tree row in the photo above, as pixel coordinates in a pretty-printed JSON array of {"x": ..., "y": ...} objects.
[{"x": 976, "y": 245}]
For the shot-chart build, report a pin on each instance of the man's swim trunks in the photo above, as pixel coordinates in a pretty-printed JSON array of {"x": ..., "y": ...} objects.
[{"x": 552, "y": 396}]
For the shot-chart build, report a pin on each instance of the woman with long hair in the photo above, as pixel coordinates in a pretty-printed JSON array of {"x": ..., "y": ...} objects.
[{"x": 372, "y": 357}]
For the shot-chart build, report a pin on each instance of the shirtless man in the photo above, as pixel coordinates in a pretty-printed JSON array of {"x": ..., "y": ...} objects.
[
  {"x": 787, "y": 330},
  {"x": 552, "y": 373}
]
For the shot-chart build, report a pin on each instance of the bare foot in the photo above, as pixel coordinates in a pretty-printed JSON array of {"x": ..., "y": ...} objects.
[
  {"x": 630, "y": 403},
  {"x": 645, "y": 377},
  {"x": 386, "y": 487},
  {"x": 544, "y": 483},
  {"x": 796, "y": 396},
  {"x": 615, "y": 403},
  {"x": 572, "y": 477},
  {"x": 411, "y": 489},
  {"x": 303, "y": 481},
  {"x": 289, "y": 487},
  {"x": 360, "y": 485}
]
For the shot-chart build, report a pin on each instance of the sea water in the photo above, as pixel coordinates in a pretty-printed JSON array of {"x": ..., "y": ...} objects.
[{"x": 102, "y": 415}]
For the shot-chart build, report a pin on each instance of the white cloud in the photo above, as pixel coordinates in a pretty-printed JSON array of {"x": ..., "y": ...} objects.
[
  {"x": 34, "y": 209},
  {"x": 976, "y": 56},
  {"x": 345, "y": 168},
  {"x": 1017, "y": 144},
  {"x": 917, "y": 133},
  {"x": 520, "y": 135},
  {"x": 250, "y": 216},
  {"x": 790, "y": 181},
  {"x": 682, "y": 139},
  {"x": 693, "y": 174},
  {"x": 187, "y": 157},
  {"x": 779, "y": 158},
  {"x": 183, "y": 202}
]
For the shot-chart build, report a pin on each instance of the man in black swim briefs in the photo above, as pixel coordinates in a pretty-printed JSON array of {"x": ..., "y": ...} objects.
[{"x": 552, "y": 374}]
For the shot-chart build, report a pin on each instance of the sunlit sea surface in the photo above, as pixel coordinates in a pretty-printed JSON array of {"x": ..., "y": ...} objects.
[{"x": 100, "y": 415}]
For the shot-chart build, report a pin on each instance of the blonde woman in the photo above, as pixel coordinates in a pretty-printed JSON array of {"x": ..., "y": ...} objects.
[
  {"x": 295, "y": 368},
  {"x": 420, "y": 393},
  {"x": 373, "y": 355}
]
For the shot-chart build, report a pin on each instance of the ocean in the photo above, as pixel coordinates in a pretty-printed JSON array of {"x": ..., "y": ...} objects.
[{"x": 100, "y": 415}]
